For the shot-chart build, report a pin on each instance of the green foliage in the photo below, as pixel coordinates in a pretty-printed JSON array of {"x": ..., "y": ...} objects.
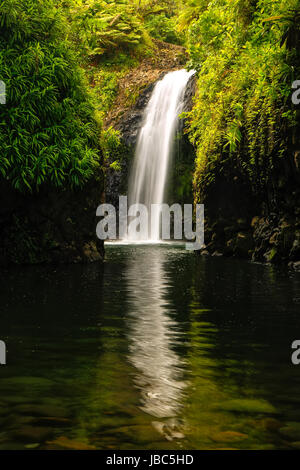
[
  {"x": 114, "y": 150},
  {"x": 104, "y": 27},
  {"x": 57, "y": 92},
  {"x": 105, "y": 88},
  {"x": 242, "y": 111},
  {"x": 48, "y": 130},
  {"x": 148, "y": 8},
  {"x": 163, "y": 27},
  {"x": 110, "y": 143}
]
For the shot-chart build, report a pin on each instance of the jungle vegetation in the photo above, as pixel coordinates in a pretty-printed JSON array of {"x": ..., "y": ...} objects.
[{"x": 62, "y": 61}]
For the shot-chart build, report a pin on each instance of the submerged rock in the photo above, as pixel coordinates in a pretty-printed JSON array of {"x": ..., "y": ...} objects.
[
  {"x": 66, "y": 443},
  {"x": 295, "y": 266},
  {"x": 204, "y": 253},
  {"x": 291, "y": 431},
  {"x": 42, "y": 410},
  {"x": 243, "y": 244},
  {"x": 295, "y": 445},
  {"x": 169, "y": 430},
  {"x": 270, "y": 424},
  {"x": 52, "y": 421},
  {"x": 217, "y": 254},
  {"x": 138, "y": 434},
  {"x": 248, "y": 405},
  {"x": 272, "y": 256},
  {"x": 228, "y": 436},
  {"x": 32, "y": 446},
  {"x": 33, "y": 433},
  {"x": 26, "y": 381}
]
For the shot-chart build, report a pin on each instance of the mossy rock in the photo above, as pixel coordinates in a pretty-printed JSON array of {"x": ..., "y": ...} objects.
[
  {"x": 63, "y": 442},
  {"x": 291, "y": 431},
  {"x": 272, "y": 256},
  {"x": 25, "y": 382},
  {"x": 33, "y": 434},
  {"x": 42, "y": 410},
  {"x": 248, "y": 405}
]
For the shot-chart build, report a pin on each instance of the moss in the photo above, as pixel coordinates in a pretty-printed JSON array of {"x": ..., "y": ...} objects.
[{"x": 248, "y": 405}]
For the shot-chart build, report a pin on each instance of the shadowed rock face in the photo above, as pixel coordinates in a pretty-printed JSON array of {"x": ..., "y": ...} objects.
[
  {"x": 52, "y": 226},
  {"x": 190, "y": 93},
  {"x": 131, "y": 122},
  {"x": 129, "y": 126}
]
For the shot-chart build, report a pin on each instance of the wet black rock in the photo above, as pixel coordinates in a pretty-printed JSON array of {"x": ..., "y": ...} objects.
[
  {"x": 33, "y": 434},
  {"x": 131, "y": 122},
  {"x": 52, "y": 226},
  {"x": 265, "y": 239}
]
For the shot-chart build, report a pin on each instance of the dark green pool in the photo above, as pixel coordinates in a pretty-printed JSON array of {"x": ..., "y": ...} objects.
[{"x": 155, "y": 349}]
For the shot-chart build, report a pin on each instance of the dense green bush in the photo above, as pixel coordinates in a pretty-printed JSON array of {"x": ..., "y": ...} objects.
[
  {"x": 163, "y": 27},
  {"x": 104, "y": 27},
  {"x": 242, "y": 111},
  {"x": 48, "y": 130}
]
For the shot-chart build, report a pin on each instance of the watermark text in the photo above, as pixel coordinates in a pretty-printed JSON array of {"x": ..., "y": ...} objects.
[
  {"x": 140, "y": 223},
  {"x": 2, "y": 353}
]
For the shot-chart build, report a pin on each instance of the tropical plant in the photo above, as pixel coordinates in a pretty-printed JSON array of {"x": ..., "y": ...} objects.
[
  {"x": 104, "y": 27},
  {"x": 242, "y": 110},
  {"x": 48, "y": 129}
]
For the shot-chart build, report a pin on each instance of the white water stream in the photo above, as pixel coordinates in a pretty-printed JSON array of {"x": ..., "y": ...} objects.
[{"x": 155, "y": 146}]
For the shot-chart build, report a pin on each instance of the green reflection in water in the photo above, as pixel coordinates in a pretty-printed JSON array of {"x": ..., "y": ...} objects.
[{"x": 157, "y": 349}]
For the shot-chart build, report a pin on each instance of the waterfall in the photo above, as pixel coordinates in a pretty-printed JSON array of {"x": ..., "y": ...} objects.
[{"x": 154, "y": 149}]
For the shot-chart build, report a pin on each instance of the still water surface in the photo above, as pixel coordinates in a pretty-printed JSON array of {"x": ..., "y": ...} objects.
[{"x": 155, "y": 349}]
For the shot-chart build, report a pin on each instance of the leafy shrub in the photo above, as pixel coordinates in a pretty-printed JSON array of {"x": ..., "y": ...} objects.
[
  {"x": 48, "y": 130},
  {"x": 164, "y": 28},
  {"x": 104, "y": 27}
]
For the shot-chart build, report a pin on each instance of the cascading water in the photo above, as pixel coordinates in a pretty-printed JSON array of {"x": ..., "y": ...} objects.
[{"x": 154, "y": 149}]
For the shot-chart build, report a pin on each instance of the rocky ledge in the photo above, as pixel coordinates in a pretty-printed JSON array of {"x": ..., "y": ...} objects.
[{"x": 270, "y": 239}]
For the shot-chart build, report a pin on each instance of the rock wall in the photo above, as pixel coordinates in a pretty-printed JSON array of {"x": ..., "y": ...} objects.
[
  {"x": 239, "y": 225},
  {"x": 51, "y": 226},
  {"x": 128, "y": 126}
]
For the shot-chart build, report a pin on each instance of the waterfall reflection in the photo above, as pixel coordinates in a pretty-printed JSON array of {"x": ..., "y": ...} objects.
[{"x": 153, "y": 336}]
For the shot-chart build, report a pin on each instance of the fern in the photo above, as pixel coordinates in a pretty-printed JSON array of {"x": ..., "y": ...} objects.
[{"x": 48, "y": 130}]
